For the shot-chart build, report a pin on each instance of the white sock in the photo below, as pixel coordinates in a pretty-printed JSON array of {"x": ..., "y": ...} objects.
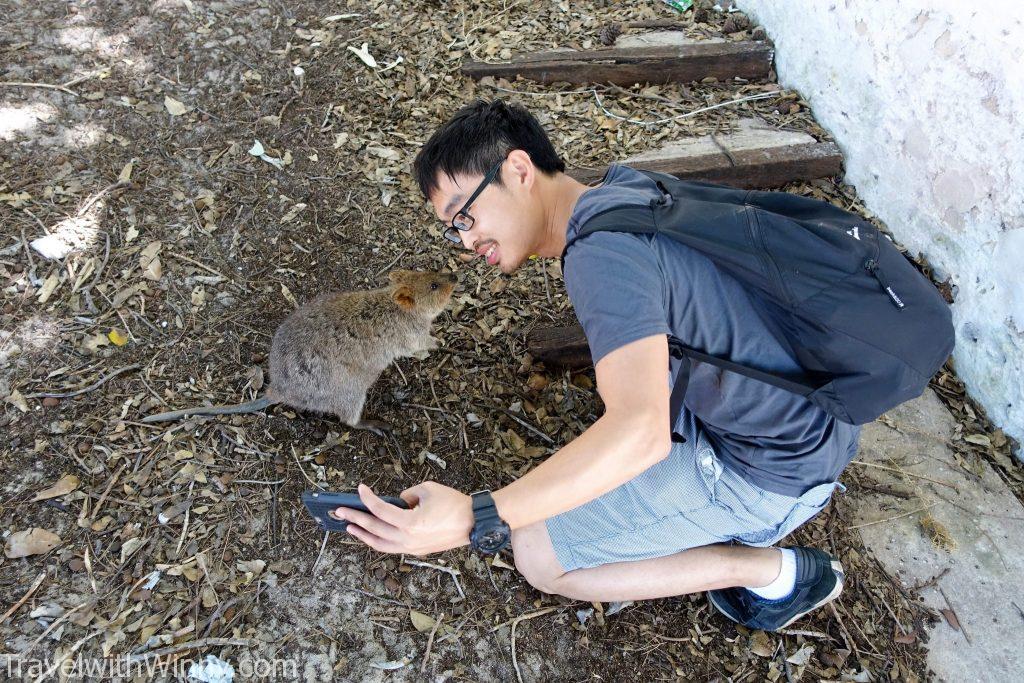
[{"x": 784, "y": 583}]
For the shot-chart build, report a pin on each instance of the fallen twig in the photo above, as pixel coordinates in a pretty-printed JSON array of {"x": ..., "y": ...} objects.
[
  {"x": 99, "y": 272},
  {"x": 81, "y": 79},
  {"x": 110, "y": 485},
  {"x": 454, "y": 573},
  {"x": 222, "y": 609},
  {"x": 375, "y": 597},
  {"x": 119, "y": 185},
  {"x": 918, "y": 587},
  {"x": 67, "y": 655},
  {"x": 960, "y": 624},
  {"x": 909, "y": 474},
  {"x": 393, "y": 262},
  {"x": 525, "y": 424},
  {"x": 52, "y": 627},
  {"x": 887, "y": 490},
  {"x": 850, "y": 642},
  {"x": 856, "y": 625},
  {"x": 781, "y": 653},
  {"x": 14, "y": 608},
  {"x": 299, "y": 465},
  {"x": 28, "y": 251},
  {"x": 192, "y": 645},
  {"x": 430, "y": 642},
  {"x": 323, "y": 546},
  {"x": 198, "y": 264},
  {"x": 27, "y": 210},
  {"x": 515, "y": 623},
  {"x": 95, "y": 385},
  {"x": 47, "y": 86},
  {"x": 806, "y": 634},
  {"x": 894, "y": 517}
]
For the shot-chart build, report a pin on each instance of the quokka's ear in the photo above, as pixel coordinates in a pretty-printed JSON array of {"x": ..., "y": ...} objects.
[
  {"x": 404, "y": 298},
  {"x": 397, "y": 276}
]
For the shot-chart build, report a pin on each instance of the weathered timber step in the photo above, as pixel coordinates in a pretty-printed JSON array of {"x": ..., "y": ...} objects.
[
  {"x": 755, "y": 156},
  {"x": 564, "y": 347},
  {"x": 682, "y": 63}
]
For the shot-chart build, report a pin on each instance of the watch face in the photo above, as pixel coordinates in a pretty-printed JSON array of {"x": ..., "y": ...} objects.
[{"x": 493, "y": 540}]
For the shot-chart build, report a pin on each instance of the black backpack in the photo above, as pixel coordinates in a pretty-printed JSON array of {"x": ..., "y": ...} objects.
[{"x": 867, "y": 328}]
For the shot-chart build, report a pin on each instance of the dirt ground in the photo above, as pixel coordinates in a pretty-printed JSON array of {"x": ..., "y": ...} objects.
[{"x": 178, "y": 251}]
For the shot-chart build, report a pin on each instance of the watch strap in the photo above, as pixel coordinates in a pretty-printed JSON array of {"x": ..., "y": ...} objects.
[{"x": 485, "y": 520}]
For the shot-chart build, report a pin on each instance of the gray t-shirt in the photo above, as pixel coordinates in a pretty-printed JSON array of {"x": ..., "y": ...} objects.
[{"x": 625, "y": 287}]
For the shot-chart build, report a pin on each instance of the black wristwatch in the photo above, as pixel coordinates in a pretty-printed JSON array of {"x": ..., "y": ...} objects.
[{"x": 490, "y": 532}]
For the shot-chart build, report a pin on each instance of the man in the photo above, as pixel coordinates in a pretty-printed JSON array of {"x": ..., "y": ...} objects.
[{"x": 623, "y": 512}]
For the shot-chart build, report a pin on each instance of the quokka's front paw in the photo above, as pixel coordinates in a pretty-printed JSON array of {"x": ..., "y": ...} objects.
[{"x": 378, "y": 427}]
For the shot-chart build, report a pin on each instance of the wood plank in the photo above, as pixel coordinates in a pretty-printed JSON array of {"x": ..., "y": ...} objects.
[
  {"x": 755, "y": 156},
  {"x": 559, "y": 346},
  {"x": 683, "y": 63}
]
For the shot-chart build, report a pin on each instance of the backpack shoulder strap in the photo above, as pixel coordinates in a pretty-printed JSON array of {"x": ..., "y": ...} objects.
[
  {"x": 802, "y": 385},
  {"x": 640, "y": 219},
  {"x": 632, "y": 218}
]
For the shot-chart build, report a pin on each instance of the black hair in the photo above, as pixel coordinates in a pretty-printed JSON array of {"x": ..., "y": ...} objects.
[{"x": 477, "y": 137}]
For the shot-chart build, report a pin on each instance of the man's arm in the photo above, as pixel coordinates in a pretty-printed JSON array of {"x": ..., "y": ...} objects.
[{"x": 632, "y": 435}]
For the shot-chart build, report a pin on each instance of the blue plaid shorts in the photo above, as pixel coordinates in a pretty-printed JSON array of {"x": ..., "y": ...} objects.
[{"x": 687, "y": 500}]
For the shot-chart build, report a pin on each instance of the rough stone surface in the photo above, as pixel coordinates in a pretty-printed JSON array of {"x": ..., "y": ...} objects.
[
  {"x": 983, "y": 519},
  {"x": 925, "y": 99}
]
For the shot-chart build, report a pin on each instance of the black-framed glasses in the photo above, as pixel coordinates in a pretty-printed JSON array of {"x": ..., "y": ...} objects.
[{"x": 462, "y": 221}]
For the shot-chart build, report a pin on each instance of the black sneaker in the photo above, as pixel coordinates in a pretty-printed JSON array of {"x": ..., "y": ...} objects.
[{"x": 819, "y": 580}]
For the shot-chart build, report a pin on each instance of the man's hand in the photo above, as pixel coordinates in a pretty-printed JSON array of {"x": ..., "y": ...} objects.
[{"x": 440, "y": 518}]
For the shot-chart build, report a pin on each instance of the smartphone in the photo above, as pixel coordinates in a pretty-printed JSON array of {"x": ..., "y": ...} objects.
[{"x": 321, "y": 505}]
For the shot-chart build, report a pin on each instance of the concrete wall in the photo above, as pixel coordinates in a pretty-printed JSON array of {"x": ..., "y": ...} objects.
[{"x": 926, "y": 99}]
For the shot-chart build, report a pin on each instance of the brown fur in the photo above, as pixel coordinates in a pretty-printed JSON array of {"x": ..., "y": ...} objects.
[{"x": 327, "y": 354}]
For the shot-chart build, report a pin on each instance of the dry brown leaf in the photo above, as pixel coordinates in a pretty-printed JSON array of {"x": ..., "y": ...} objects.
[
  {"x": 420, "y": 621},
  {"x": 64, "y": 485},
  {"x": 905, "y": 638},
  {"x": 149, "y": 261},
  {"x": 254, "y": 567},
  {"x": 761, "y": 644},
  {"x": 34, "y": 541},
  {"x": 174, "y": 107},
  {"x": 537, "y": 381},
  {"x": 49, "y": 285},
  {"x": 92, "y": 344},
  {"x": 18, "y": 401},
  {"x": 129, "y": 547},
  {"x": 289, "y": 297}
]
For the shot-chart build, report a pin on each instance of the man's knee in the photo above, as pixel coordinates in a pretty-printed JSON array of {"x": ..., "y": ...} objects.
[{"x": 535, "y": 558}]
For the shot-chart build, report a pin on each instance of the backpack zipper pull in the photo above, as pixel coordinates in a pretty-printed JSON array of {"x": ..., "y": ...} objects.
[{"x": 872, "y": 267}]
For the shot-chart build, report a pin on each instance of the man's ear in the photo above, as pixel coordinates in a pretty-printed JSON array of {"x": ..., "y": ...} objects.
[
  {"x": 404, "y": 298},
  {"x": 522, "y": 168}
]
